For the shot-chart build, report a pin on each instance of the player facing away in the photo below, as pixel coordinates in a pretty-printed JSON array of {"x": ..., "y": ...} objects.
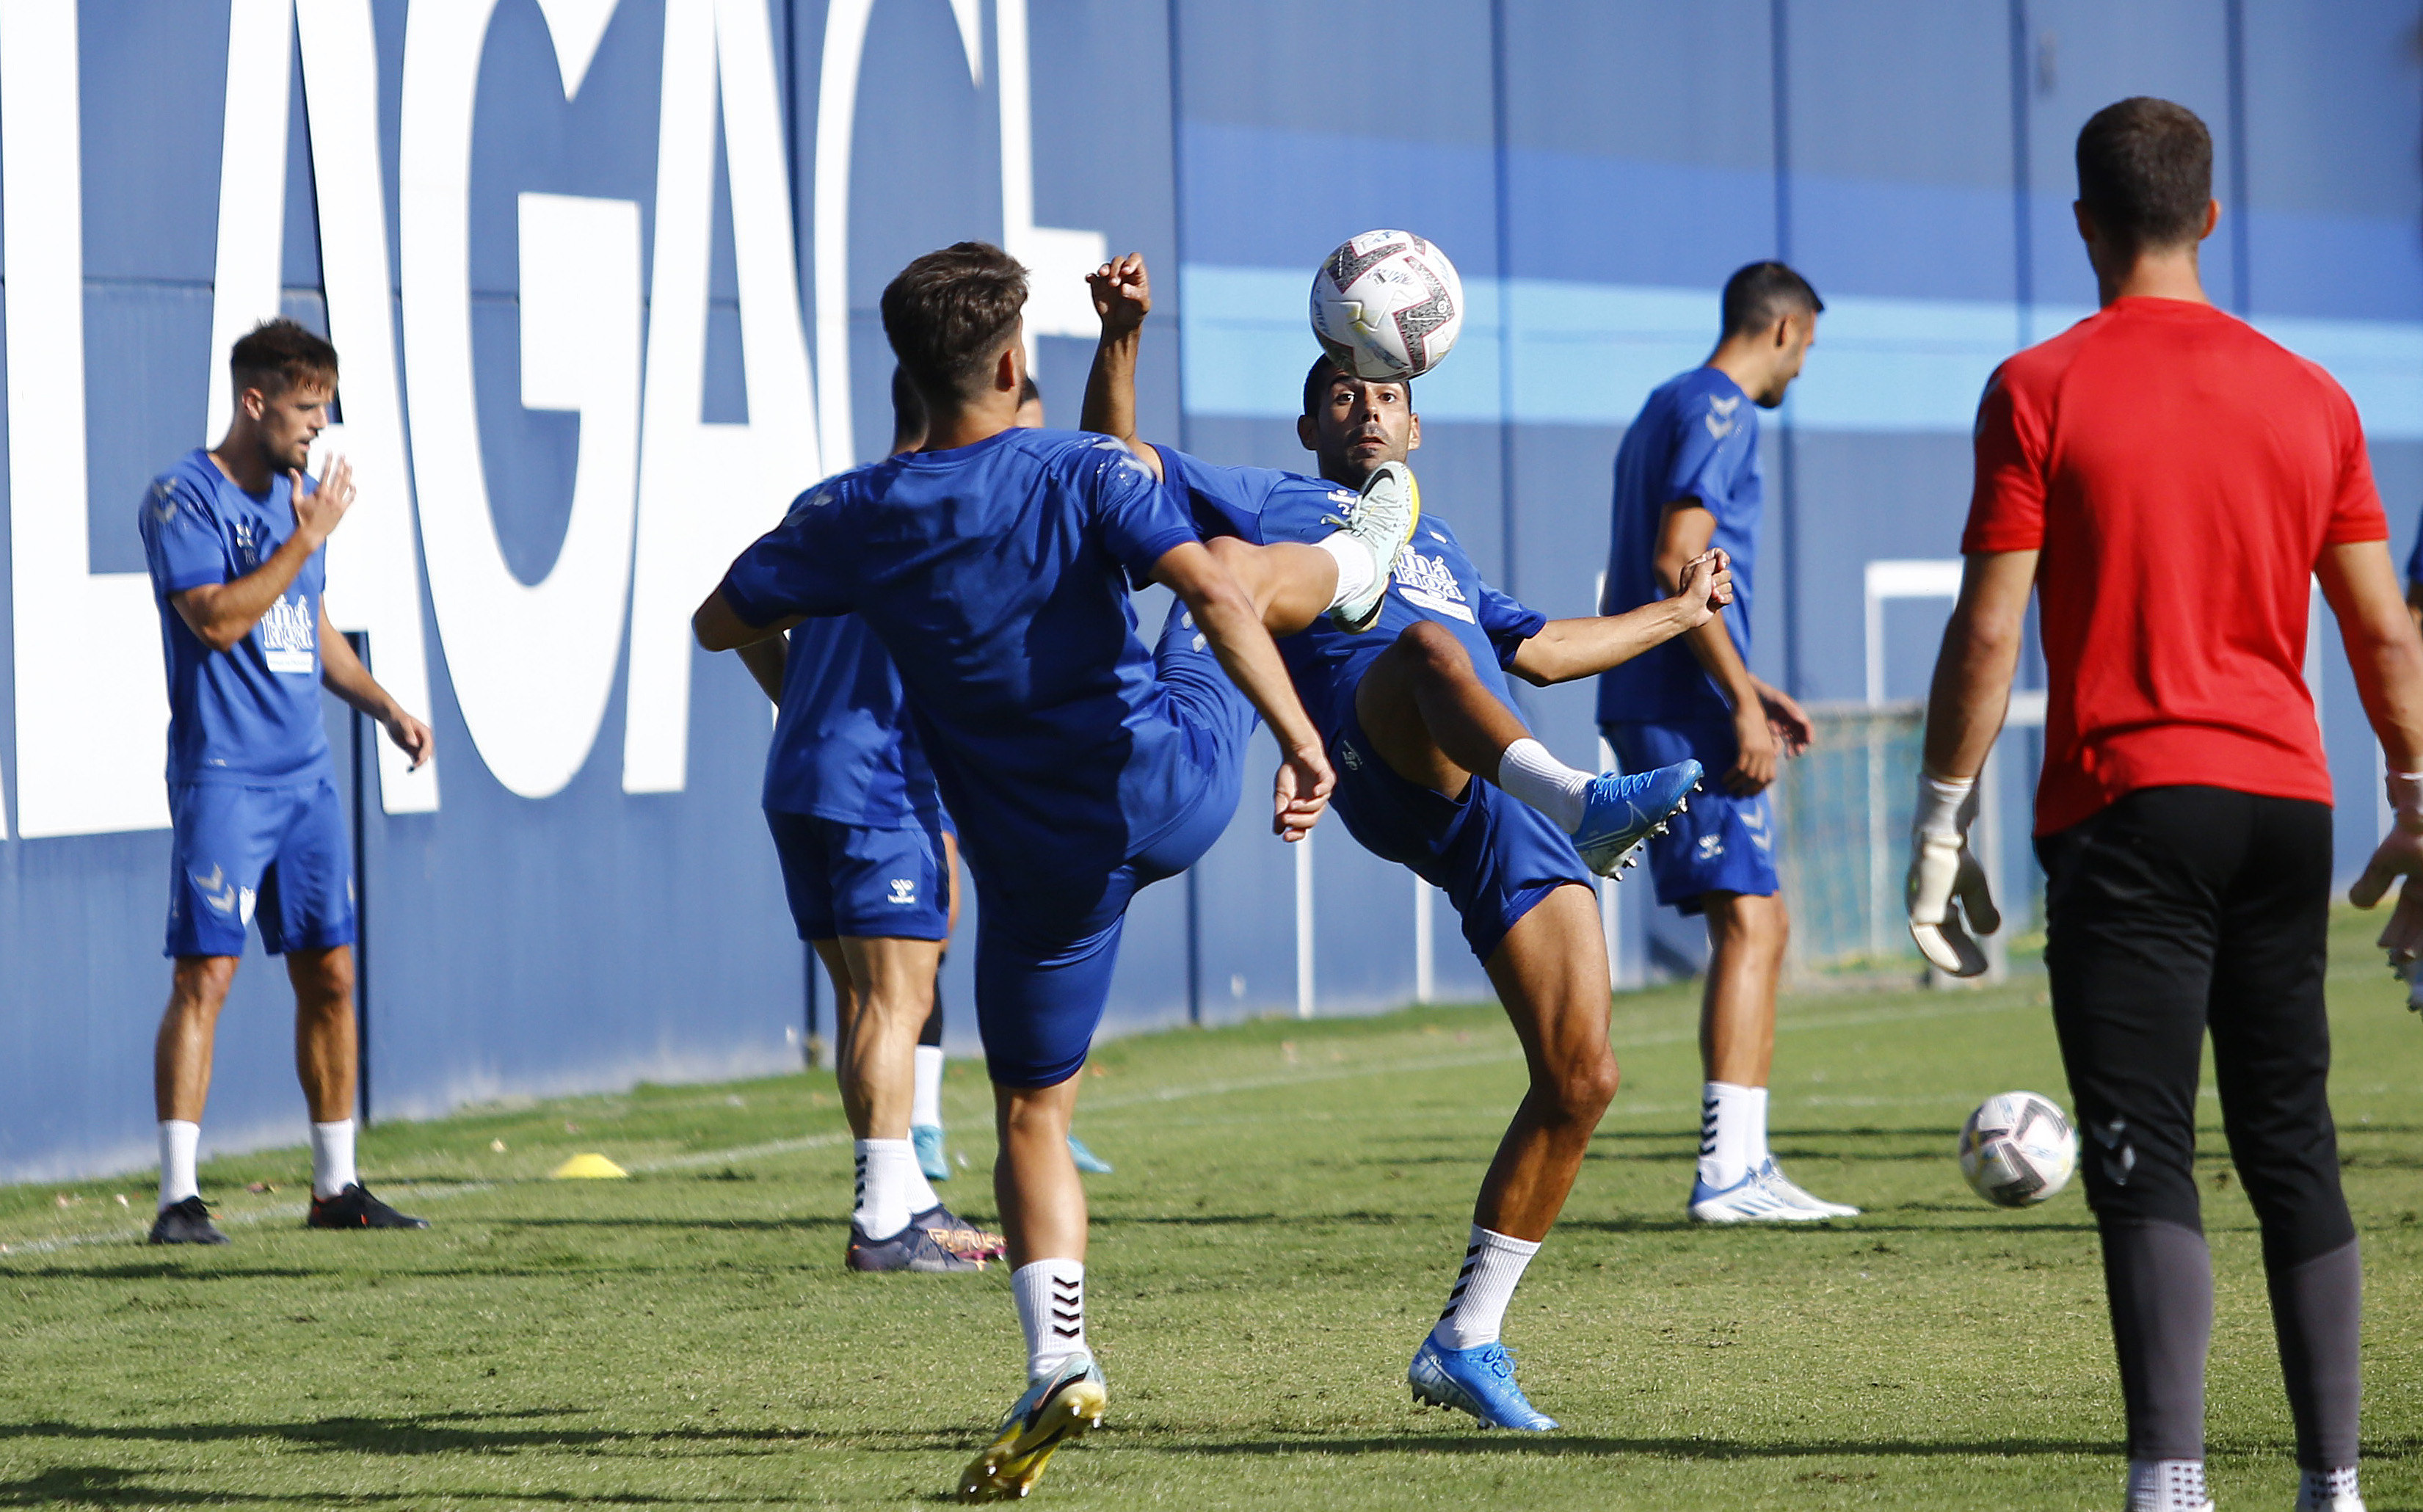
[
  {"x": 1686, "y": 477},
  {"x": 995, "y": 565},
  {"x": 868, "y": 869},
  {"x": 233, "y": 536},
  {"x": 2183, "y": 818},
  {"x": 1437, "y": 772}
]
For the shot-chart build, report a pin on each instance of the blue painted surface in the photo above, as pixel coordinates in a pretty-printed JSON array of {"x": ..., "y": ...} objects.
[{"x": 1918, "y": 171}]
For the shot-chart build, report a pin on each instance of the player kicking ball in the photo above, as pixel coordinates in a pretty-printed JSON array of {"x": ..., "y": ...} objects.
[
  {"x": 996, "y": 564},
  {"x": 233, "y": 538},
  {"x": 1437, "y": 773},
  {"x": 868, "y": 869}
]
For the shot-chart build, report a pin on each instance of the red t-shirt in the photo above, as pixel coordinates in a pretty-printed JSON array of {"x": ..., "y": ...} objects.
[{"x": 2181, "y": 474}]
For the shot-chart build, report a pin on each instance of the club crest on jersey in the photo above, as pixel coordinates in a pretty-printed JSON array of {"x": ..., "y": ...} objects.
[
  {"x": 1427, "y": 582},
  {"x": 286, "y": 635}
]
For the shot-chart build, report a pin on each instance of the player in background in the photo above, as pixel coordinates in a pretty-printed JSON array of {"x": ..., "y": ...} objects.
[
  {"x": 1686, "y": 476},
  {"x": 1411, "y": 712},
  {"x": 2184, "y": 813},
  {"x": 868, "y": 869},
  {"x": 233, "y": 536},
  {"x": 995, "y": 565}
]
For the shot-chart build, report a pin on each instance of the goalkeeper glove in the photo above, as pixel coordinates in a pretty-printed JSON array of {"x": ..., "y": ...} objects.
[
  {"x": 2401, "y": 854},
  {"x": 1946, "y": 880}
]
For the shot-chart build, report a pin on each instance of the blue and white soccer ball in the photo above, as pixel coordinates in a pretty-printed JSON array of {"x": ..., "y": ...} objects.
[
  {"x": 2017, "y": 1148},
  {"x": 1386, "y": 305}
]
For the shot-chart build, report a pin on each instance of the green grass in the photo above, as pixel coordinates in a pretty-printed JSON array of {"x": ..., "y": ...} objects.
[{"x": 1289, "y": 1205}]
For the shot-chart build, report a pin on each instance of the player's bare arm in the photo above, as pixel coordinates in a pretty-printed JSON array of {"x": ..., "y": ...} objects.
[
  {"x": 1981, "y": 651},
  {"x": 342, "y": 674},
  {"x": 767, "y": 660},
  {"x": 1766, "y": 721},
  {"x": 1567, "y": 649},
  {"x": 1122, "y": 294},
  {"x": 719, "y": 628},
  {"x": 1229, "y": 621},
  {"x": 2386, "y": 655},
  {"x": 221, "y": 614}
]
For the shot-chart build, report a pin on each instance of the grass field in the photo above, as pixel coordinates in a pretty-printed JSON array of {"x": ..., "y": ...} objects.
[{"x": 1289, "y": 1205}]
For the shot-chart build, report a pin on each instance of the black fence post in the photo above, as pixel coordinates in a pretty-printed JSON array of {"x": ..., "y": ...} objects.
[{"x": 365, "y": 748}]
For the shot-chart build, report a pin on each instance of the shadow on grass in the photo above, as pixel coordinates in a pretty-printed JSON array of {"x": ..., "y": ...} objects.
[
  {"x": 108, "y": 1485},
  {"x": 421, "y": 1434}
]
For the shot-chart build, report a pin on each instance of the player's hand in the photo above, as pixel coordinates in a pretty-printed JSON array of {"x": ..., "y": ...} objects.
[
  {"x": 1707, "y": 587},
  {"x": 316, "y": 513},
  {"x": 1753, "y": 766},
  {"x": 1301, "y": 793},
  {"x": 412, "y": 737},
  {"x": 1794, "y": 730},
  {"x": 2400, "y": 854},
  {"x": 1946, "y": 881},
  {"x": 1122, "y": 293}
]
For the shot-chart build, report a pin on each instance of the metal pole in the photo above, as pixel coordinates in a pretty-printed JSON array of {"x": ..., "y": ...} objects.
[{"x": 361, "y": 641}]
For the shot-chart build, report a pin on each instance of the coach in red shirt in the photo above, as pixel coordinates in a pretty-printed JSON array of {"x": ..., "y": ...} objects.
[{"x": 2168, "y": 481}]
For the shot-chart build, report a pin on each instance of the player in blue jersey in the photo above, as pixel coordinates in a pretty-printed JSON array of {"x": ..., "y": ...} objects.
[
  {"x": 1411, "y": 713},
  {"x": 994, "y": 565},
  {"x": 234, "y": 536},
  {"x": 1686, "y": 476}
]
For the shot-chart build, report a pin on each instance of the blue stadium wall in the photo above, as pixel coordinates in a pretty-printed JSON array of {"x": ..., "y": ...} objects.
[{"x": 603, "y": 275}]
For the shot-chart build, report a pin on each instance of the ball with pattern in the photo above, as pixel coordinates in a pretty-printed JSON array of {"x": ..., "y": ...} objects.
[
  {"x": 1386, "y": 305},
  {"x": 2017, "y": 1148}
]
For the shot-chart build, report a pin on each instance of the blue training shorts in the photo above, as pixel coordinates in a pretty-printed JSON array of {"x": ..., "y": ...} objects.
[
  {"x": 277, "y": 853},
  {"x": 1045, "y": 953},
  {"x": 1722, "y": 843},
  {"x": 1496, "y": 856},
  {"x": 866, "y": 883}
]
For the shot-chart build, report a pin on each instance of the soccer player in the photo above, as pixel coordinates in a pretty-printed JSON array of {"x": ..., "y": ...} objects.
[
  {"x": 1687, "y": 476},
  {"x": 1412, "y": 712},
  {"x": 233, "y": 536},
  {"x": 994, "y": 564},
  {"x": 2124, "y": 467},
  {"x": 868, "y": 870}
]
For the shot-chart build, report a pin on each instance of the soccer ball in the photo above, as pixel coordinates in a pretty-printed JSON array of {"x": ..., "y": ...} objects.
[
  {"x": 2017, "y": 1148},
  {"x": 1386, "y": 305}
]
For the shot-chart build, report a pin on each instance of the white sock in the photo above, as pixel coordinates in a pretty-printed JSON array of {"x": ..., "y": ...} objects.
[
  {"x": 1357, "y": 572},
  {"x": 332, "y": 1157},
  {"x": 2166, "y": 1485},
  {"x": 1526, "y": 771},
  {"x": 2324, "y": 1487},
  {"x": 915, "y": 1189},
  {"x": 888, "y": 1182},
  {"x": 1492, "y": 1266},
  {"x": 1733, "y": 1132},
  {"x": 1052, "y": 1310},
  {"x": 178, "y": 1142},
  {"x": 926, "y": 1101}
]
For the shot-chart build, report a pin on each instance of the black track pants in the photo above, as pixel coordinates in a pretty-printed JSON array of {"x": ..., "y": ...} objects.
[{"x": 2175, "y": 911}]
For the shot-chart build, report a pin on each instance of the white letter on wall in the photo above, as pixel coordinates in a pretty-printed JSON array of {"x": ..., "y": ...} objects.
[
  {"x": 706, "y": 490},
  {"x": 532, "y": 666},
  {"x": 92, "y": 701},
  {"x": 1056, "y": 259}
]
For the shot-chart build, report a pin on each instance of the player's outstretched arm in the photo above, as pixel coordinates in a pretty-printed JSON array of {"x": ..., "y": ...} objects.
[
  {"x": 1122, "y": 292},
  {"x": 221, "y": 614},
  {"x": 1227, "y": 616},
  {"x": 1567, "y": 649},
  {"x": 342, "y": 674}
]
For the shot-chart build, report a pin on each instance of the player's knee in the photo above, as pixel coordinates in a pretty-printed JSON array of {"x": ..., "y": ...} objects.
[
  {"x": 1585, "y": 1089},
  {"x": 1432, "y": 647},
  {"x": 202, "y": 980},
  {"x": 327, "y": 982}
]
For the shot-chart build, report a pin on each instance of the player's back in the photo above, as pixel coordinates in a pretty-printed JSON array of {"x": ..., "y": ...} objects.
[{"x": 2181, "y": 474}]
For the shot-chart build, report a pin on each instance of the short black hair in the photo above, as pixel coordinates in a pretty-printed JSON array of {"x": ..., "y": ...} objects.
[
  {"x": 908, "y": 413},
  {"x": 2144, "y": 173},
  {"x": 949, "y": 313},
  {"x": 1762, "y": 293},
  {"x": 1324, "y": 372},
  {"x": 278, "y": 354}
]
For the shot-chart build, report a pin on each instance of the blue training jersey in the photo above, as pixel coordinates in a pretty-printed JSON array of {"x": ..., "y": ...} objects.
[
  {"x": 997, "y": 576},
  {"x": 1696, "y": 438},
  {"x": 1434, "y": 580},
  {"x": 250, "y": 714},
  {"x": 843, "y": 745}
]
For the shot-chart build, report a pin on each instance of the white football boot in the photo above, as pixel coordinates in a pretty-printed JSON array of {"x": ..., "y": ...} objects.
[
  {"x": 1793, "y": 1192},
  {"x": 1750, "y": 1200},
  {"x": 1383, "y": 521}
]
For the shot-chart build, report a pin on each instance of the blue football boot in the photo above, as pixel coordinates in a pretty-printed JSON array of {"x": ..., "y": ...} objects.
[
  {"x": 928, "y": 1139},
  {"x": 1479, "y": 1380},
  {"x": 1624, "y": 810},
  {"x": 1087, "y": 1161}
]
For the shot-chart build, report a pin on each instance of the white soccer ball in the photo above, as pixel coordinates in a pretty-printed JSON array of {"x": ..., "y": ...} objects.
[
  {"x": 2017, "y": 1148},
  {"x": 1386, "y": 305}
]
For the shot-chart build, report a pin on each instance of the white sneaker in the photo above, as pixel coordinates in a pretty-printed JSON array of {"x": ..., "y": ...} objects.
[
  {"x": 1750, "y": 1200},
  {"x": 1793, "y": 1192}
]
